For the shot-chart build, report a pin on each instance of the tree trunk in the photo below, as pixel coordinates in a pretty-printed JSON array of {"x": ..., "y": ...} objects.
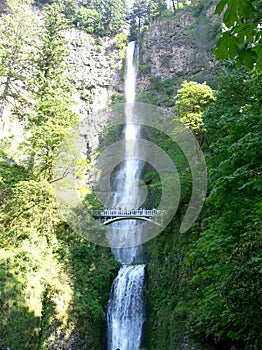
[{"x": 174, "y": 7}]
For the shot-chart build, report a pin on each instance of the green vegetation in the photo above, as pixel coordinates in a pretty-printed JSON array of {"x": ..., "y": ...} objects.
[
  {"x": 18, "y": 27},
  {"x": 161, "y": 91},
  {"x": 121, "y": 41},
  {"x": 117, "y": 98},
  {"x": 88, "y": 20},
  {"x": 144, "y": 68},
  {"x": 241, "y": 36},
  {"x": 227, "y": 257},
  {"x": 99, "y": 17},
  {"x": 53, "y": 284},
  {"x": 191, "y": 102},
  {"x": 203, "y": 286},
  {"x": 52, "y": 116}
]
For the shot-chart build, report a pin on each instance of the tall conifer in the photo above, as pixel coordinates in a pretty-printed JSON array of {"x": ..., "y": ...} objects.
[
  {"x": 17, "y": 34},
  {"x": 53, "y": 116}
]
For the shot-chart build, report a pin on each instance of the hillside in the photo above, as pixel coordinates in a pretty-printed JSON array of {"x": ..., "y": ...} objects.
[{"x": 63, "y": 63}]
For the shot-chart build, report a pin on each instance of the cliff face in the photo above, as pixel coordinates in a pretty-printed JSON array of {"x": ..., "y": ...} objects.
[
  {"x": 168, "y": 50},
  {"x": 180, "y": 48},
  {"x": 175, "y": 49},
  {"x": 94, "y": 67}
]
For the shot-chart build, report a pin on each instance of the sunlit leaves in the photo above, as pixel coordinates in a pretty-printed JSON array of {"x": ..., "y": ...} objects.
[
  {"x": 18, "y": 33},
  {"x": 47, "y": 293},
  {"x": 234, "y": 10},
  {"x": 31, "y": 209},
  {"x": 191, "y": 101},
  {"x": 242, "y": 33},
  {"x": 89, "y": 20}
]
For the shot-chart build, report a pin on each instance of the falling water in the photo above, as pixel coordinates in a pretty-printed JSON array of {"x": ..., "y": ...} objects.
[{"x": 126, "y": 307}]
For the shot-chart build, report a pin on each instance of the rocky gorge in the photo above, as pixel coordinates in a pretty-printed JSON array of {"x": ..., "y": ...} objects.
[{"x": 171, "y": 50}]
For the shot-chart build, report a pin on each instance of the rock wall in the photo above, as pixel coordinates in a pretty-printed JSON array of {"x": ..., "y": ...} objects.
[
  {"x": 180, "y": 47},
  {"x": 94, "y": 66}
]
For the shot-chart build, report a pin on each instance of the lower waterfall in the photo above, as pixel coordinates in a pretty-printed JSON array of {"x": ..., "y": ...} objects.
[{"x": 126, "y": 308}]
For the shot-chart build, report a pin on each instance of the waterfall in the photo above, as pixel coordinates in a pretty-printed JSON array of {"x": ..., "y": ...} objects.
[{"x": 126, "y": 307}]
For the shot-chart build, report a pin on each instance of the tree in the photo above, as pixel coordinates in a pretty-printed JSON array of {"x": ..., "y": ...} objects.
[
  {"x": 89, "y": 20},
  {"x": 227, "y": 256},
  {"x": 174, "y": 6},
  {"x": 71, "y": 9},
  {"x": 138, "y": 17},
  {"x": 241, "y": 32},
  {"x": 156, "y": 9},
  {"x": 113, "y": 15},
  {"x": 52, "y": 117},
  {"x": 17, "y": 34},
  {"x": 191, "y": 101}
]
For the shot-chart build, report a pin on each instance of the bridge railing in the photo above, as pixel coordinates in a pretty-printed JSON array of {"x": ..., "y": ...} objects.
[{"x": 123, "y": 212}]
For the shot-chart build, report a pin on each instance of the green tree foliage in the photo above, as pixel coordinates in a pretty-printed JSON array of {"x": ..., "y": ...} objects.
[
  {"x": 227, "y": 257},
  {"x": 71, "y": 9},
  {"x": 52, "y": 283},
  {"x": 143, "y": 13},
  {"x": 113, "y": 15},
  {"x": 89, "y": 20},
  {"x": 241, "y": 36},
  {"x": 43, "y": 2},
  {"x": 137, "y": 17},
  {"x": 156, "y": 9},
  {"x": 191, "y": 102},
  {"x": 53, "y": 116},
  {"x": 29, "y": 199},
  {"x": 28, "y": 221},
  {"x": 205, "y": 284},
  {"x": 161, "y": 91},
  {"x": 51, "y": 52},
  {"x": 50, "y": 279},
  {"x": 97, "y": 17},
  {"x": 17, "y": 34}
]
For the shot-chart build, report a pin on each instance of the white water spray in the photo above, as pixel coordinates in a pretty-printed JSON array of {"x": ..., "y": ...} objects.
[
  {"x": 126, "y": 313},
  {"x": 126, "y": 307}
]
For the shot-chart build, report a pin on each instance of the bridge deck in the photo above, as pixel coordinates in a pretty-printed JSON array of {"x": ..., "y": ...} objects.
[
  {"x": 114, "y": 213},
  {"x": 108, "y": 216}
]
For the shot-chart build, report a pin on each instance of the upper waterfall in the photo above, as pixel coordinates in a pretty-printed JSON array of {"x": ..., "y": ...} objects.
[
  {"x": 126, "y": 183},
  {"x": 131, "y": 72}
]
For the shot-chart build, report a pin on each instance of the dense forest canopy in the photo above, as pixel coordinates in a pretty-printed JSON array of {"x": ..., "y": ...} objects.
[{"x": 204, "y": 285}]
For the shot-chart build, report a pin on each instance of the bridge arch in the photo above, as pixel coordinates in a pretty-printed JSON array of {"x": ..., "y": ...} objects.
[{"x": 120, "y": 218}]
